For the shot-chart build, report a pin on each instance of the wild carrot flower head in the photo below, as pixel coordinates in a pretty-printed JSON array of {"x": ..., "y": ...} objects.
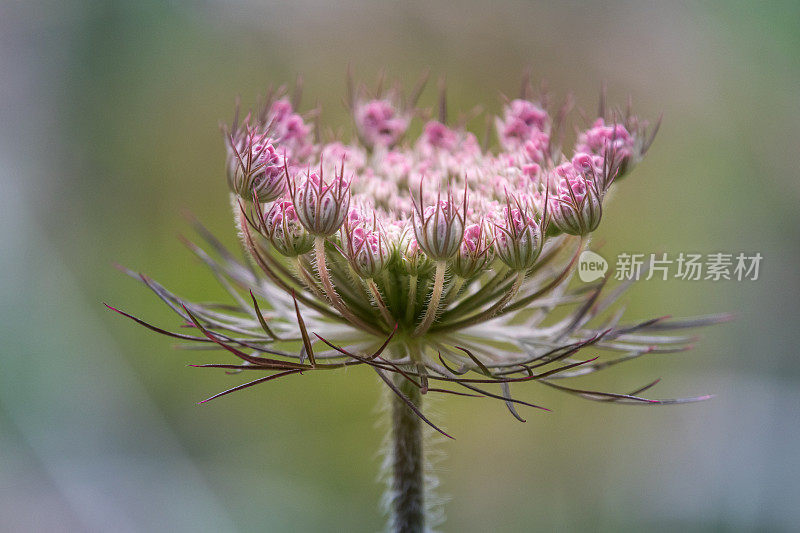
[{"x": 427, "y": 258}]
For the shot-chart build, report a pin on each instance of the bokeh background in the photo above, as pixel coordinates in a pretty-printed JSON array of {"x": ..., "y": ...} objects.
[{"x": 109, "y": 120}]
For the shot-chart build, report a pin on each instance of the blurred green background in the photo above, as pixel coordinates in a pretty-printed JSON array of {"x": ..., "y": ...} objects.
[{"x": 110, "y": 115}]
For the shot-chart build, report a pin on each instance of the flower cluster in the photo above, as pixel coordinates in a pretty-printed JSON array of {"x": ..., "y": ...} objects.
[
  {"x": 424, "y": 258},
  {"x": 442, "y": 263}
]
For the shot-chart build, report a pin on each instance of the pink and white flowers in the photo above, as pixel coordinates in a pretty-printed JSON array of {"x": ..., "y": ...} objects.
[
  {"x": 380, "y": 123},
  {"x": 441, "y": 200}
]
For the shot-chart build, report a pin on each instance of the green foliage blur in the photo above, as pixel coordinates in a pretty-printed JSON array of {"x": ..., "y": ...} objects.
[{"x": 110, "y": 114}]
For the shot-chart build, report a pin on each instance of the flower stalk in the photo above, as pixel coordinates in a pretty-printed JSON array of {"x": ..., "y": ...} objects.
[{"x": 407, "y": 492}]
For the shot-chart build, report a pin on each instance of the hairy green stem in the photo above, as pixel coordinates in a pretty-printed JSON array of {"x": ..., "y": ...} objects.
[
  {"x": 407, "y": 498},
  {"x": 392, "y": 288}
]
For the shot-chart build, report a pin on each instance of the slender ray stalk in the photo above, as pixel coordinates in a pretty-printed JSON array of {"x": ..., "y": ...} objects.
[
  {"x": 454, "y": 290},
  {"x": 307, "y": 278},
  {"x": 500, "y": 304},
  {"x": 412, "y": 297},
  {"x": 376, "y": 295},
  {"x": 433, "y": 303},
  {"x": 333, "y": 296}
]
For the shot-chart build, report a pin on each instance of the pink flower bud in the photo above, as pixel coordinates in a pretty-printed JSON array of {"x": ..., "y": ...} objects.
[
  {"x": 474, "y": 253},
  {"x": 293, "y": 135},
  {"x": 587, "y": 163},
  {"x": 284, "y": 230},
  {"x": 367, "y": 250},
  {"x": 602, "y": 138},
  {"x": 379, "y": 123},
  {"x": 255, "y": 167},
  {"x": 531, "y": 171},
  {"x": 439, "y": 229},
  {"x": 334, "y": 154},
  {"x": 280, "y": 110},
  {"x": 438, "y": 136},
  {"x": 289, "y": 131},
  {"x": 536, "y": 147},
  {"x": 321, "y": 207},
  {"x": 518, "y": 239},
  {"x": 576, "y": 206},
  {"x": 522, "y": 121}
]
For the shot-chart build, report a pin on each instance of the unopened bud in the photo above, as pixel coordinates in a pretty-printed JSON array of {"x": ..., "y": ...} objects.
[
  {"x": 321, "y": 207},
  {"x": 284, "y": 231},
  {"x": 519, "y": 239},
  {"x": 439, "y": 229},
  {"x": 576, "y": 207},
  {"x": 474, "y": 253},
  {"x": 254, "y": 167}
]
